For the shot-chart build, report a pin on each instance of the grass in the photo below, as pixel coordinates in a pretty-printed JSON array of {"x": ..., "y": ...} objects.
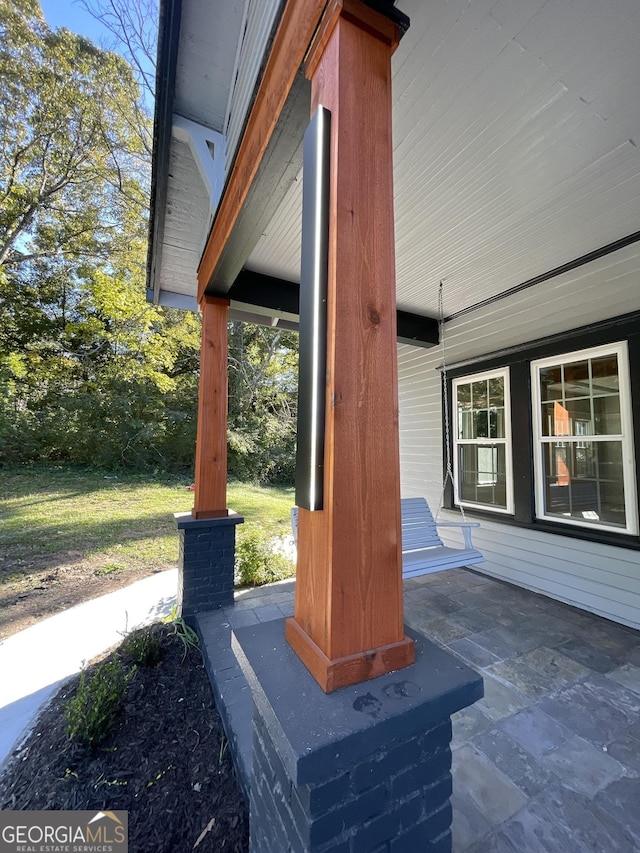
[{"x": 115, "y": 521}]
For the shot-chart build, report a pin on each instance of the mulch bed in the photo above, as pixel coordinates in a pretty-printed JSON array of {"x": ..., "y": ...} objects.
[{"x": 166, "y": 761}]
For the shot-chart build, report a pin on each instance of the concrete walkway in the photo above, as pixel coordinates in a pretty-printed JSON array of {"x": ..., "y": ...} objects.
[
  {"x": 549, "y": 760},
  {"x": 35, "y": 662}
]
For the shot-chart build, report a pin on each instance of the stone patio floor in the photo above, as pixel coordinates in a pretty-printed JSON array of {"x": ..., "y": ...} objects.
[{"x": 549, "y": 760}]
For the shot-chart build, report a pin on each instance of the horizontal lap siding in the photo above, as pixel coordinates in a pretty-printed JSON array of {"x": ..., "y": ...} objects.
[
  {"x": 599, "y": 578},
  {"x": 420, "y": 424}
]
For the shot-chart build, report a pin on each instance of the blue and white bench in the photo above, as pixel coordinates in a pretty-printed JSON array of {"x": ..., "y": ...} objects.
[{"x": 422, "y": 549}]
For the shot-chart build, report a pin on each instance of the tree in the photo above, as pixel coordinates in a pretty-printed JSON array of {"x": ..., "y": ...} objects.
[
  {"x": 133, "y": 27},
  {"x": 262, "y": 361},
  {"x": 88, "y": 371},
  {"x": 73, "y": 175},
  {"x": 263, "y": 374}
]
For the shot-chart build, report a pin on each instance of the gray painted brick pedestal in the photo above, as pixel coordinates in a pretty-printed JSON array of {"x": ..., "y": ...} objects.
[
  {"x": 363, "y": 770},
  {"x": 205, "y": 562}
]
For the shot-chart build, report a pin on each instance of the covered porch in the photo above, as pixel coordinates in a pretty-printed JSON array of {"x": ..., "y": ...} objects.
[
  {"x": 508, "y": 144},
  {"x": 549, "y": 759}
]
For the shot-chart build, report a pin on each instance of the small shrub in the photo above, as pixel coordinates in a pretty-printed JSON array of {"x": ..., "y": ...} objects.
[
  {"x": 92, "y": 712},
  {"x": 256, "y": 561},
  {"x": 143, "y": 646}
]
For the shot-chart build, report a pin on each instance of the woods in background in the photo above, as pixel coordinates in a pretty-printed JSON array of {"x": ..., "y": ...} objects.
[{"x": 90, "y": 373}]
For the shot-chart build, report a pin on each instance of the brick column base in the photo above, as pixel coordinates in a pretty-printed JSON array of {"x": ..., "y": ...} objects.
[
  {"x": 205, "y": 562},
  {"x": 363, "y": 770}
]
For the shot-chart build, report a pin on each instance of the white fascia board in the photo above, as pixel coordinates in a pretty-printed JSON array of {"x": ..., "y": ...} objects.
[{"x": 170, "y": 299}]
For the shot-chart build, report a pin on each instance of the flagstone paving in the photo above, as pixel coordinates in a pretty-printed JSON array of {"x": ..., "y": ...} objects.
[{"x": 549, "y": 759}]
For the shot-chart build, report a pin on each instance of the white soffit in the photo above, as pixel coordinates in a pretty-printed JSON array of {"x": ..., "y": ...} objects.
[
  {"x": 516, "y": 134},
  {"x": 221, "y": 49},
  {"x": 260, "y": 16},
  {"x": 210, "y": 31}
]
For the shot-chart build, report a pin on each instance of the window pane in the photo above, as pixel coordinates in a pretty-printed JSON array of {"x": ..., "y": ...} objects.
[
  {"x": 607, "y": 416},
  {"x": 496, "y": 392},
  {"x": 479, "y": 401},
  {"x": 481, "y": 420},
  {"x": 482, "y": 474},
  {"x": 579, "y": 405},
  {"x": 576, "y": 380},
  {"x": 584, "y": 480},
  {"x": 579, "y": 417},
  {"x": 496, "y": 423},
  {"x": 604, "y": 372},
  {"x": 556, "y": 419},
  {"x": 480, "y": 394},
  {"x": 465, "y": 414},
  {"x": 551, "y": 383}
]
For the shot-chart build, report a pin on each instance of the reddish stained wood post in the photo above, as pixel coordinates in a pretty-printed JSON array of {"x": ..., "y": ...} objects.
[
  {"x": 348, "y": 621},
  {"x": 211, "y": 440}
]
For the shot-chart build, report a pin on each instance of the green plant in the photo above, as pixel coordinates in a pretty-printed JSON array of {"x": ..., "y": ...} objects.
[
  {"x": 182, "y": 631},
  {"x": 256, "y": 561},
  {"x": 110, "y": 569},
  {"x": 143, "y": 646},
  {"x": 224, "y": 744},
  {"x": 93, "y": 710},
  {"x": 159, "y": 776}
]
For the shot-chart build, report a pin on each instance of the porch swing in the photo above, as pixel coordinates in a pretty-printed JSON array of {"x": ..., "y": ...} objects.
[{"x": 423, "y": 551}]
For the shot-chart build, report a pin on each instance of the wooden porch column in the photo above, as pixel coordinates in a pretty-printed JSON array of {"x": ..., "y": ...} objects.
[
  {"x": 211, "y": 437},
  {"x": 348, "y": 621}
]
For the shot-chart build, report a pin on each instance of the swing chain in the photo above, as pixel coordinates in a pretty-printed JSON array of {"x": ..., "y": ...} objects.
[{"x": 447, "y": 428}]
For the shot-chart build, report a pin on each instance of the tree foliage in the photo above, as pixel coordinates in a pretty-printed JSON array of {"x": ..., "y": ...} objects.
[
  {"x": 263, "y": 373},
  {"x": 73, "y": 173},
  {"x": 133, "y": 28},
  {"x": 91, "y": 373},
  {"x": 88, "y": 371}
]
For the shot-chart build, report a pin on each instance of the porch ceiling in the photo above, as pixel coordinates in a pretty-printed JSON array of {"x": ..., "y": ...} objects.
[{"x": 516, "y": 133}]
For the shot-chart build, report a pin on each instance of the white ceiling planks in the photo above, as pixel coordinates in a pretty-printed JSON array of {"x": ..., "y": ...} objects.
[{"x": 516, "y": 141}]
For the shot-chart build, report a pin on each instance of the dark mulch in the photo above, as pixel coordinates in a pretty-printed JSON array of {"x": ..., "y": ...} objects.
[{"x": 166, "y": 762}]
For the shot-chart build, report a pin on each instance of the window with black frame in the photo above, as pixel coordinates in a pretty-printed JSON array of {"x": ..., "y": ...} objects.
[
  {"x": 547, "y": 433},
  {"x": 583, "y": 442},
  {"x": 482, "y": 441}
]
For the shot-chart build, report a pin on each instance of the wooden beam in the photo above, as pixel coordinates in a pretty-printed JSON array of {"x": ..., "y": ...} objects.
[
  {"x": 297, "y": 26},
  {"x": 417, "y": 330},
  {"x": 211, "y": 440},
  {"x": 348, "y": 621},
  {"x": 281, "y": 164}
]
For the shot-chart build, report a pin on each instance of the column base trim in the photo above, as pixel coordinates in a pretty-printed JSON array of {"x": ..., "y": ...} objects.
[
  {"x": 209, "y": 513},
  {"x": 343, "y": 672}
]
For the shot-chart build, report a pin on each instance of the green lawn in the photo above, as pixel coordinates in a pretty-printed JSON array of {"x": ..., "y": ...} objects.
[{"x": 117, "y": 521}]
